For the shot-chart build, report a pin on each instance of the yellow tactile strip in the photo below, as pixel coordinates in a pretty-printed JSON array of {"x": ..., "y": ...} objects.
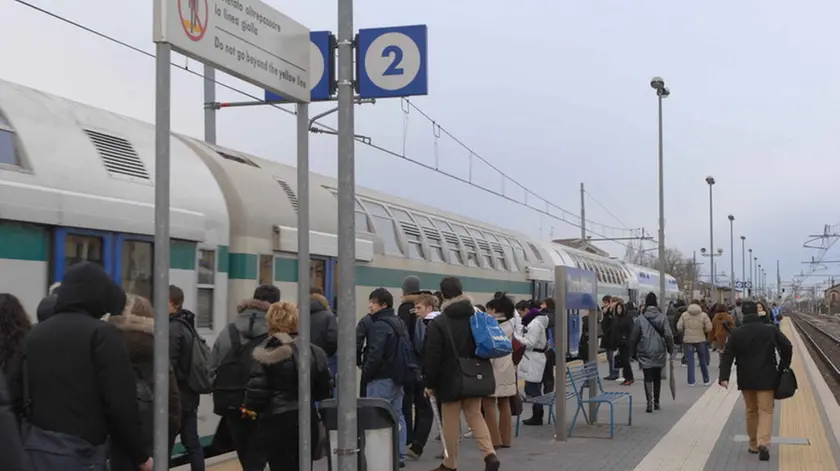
[{"x": 801, "y": 418}]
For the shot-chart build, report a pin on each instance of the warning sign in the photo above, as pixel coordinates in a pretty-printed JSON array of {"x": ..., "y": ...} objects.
[{"x": 193, "y": 15}]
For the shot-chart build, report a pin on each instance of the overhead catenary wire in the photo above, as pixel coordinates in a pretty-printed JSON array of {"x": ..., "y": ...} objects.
[{"x": 565, "y": 216}]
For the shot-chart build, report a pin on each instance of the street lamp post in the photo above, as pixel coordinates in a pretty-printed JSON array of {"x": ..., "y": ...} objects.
[
  {"x": 743, "y": 259},
  {"x": 732, "y": 258},
  {"x": 751, "y": 273},
  {"x": 711, "y": 181},
  {"x": 658, "y": 84},
  {"x": 758, "y": 275}
]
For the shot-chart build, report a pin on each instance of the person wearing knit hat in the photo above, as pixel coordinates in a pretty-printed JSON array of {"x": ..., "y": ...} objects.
[
  {"x": 651, "y": 340},
  {"x": 650, "y": 300}
]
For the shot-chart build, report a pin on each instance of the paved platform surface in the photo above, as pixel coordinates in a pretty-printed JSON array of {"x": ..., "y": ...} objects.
[{"x": 703, "y": 429}]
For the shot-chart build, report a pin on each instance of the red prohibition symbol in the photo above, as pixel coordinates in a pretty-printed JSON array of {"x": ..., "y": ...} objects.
[{"x": 194, "y": 16}]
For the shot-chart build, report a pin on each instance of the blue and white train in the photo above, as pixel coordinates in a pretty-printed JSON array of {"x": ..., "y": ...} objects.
[{"x": 77, "y": 183}]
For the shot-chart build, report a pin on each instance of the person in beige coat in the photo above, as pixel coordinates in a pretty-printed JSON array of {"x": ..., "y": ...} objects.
[
  {"x": 695, "y": 326},
  {"x": 504, "y": 371}
]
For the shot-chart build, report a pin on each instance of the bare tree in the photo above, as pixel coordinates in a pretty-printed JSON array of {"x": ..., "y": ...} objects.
[{"x": 683, "y": 268}]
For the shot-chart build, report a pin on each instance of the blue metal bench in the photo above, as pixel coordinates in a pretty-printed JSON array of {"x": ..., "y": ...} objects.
[
  {"x": 547, "y": 401},
  {"x": 579, "y": 376}
]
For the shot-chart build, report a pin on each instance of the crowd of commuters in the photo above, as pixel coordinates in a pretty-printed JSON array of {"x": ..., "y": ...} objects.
[{"x": 78, "y": 392}]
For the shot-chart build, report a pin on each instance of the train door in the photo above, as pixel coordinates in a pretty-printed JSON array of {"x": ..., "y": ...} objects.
[
  {"x": 72, "y": 246},
  {"x": 322, "y": 274}
]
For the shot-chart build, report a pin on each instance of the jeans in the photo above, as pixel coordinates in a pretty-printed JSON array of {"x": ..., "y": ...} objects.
[
  {"x": 189, "y": 435},
  {"x": 534, "y": 390},
  {"x": 702, "y": 350},
  {"x": 611, "y": 361},
  {"x": 393, "y": 393}
]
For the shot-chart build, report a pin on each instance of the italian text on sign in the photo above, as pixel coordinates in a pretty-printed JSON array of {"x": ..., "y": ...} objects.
[{"x": 245, "y": 38}]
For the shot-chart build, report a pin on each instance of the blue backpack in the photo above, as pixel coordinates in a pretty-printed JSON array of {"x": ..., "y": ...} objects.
[{"x": 490, "y": 339}]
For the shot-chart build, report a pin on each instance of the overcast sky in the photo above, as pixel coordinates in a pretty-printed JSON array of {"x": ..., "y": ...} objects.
[{"x": 552, "y": 93}]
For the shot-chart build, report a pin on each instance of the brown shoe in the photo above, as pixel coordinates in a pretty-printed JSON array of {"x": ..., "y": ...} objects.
[{"x": 491, "y": 463}]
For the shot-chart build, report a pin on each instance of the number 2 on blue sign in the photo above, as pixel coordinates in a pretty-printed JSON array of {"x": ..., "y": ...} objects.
[{"x": 394, "y": 68}]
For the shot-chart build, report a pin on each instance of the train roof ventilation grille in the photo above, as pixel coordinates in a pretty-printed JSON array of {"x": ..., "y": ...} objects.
[
  {"x": 237, "y": 158},
  {"x": 118, "y": 155},
  {"x": 290, "y": 193}
]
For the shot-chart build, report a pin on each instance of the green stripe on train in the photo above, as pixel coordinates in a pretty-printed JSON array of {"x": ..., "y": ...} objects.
[
  {"x": 286, "y": 270},
  {"x": 20, "y": 241}
]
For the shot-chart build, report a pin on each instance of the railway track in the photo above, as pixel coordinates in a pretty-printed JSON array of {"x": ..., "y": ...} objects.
[{"x": 825, "y": 346}]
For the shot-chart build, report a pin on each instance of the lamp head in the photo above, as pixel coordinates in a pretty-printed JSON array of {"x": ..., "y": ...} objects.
[
  {"x": 657, "y": 83},
  {"x": 710, "y": 180},
  {"x": 720, "y": 251},
  {"x": 743, "y": 238},
  {"x": 703, "y": 250},
  {"x": 731, "y": 218}
]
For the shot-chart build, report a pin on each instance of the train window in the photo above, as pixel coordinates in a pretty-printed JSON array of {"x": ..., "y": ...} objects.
[
  {"x": 452, "y": 242},
  {"x": 469, "y": 245},
  {"x": 519, "y": 250},
  {"x": 266, "y": 269},
  {"x": 78, "y": 248},
  {"x": 412, "y": 233},
  {"x": 137, "y": 267},
  {"x": 385, "y": 228},
  {"x": 507, "y": 248},
  {"x": 361, "y": 218},
  {"x": 8, "y": 147},
  {"x": 536, "y": 252},
  {"x": 204, "y": 316},
  {"x": 432, "y": 237},
  {"x": 206, "y": 286},
  {"x": 318, "y": 274},
  {"x": 206, "y": 267}
]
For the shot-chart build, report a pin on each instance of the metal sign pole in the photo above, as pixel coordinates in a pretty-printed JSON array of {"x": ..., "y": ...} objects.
[
  {"x": 161, "y": 283},
  {"x": 561, "y": 346},
  {"x": 347, "y": 420},
  {"x": 592, "y": 318},
  {"x": 209, "y": 111},
  {"x": 304, "y": 362}
]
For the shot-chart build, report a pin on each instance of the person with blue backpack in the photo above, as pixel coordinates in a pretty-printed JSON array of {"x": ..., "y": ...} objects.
[{"x": 457, "y": 376}]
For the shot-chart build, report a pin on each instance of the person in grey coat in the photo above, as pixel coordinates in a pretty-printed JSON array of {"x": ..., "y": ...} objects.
[{"x": 651, "y": 340}]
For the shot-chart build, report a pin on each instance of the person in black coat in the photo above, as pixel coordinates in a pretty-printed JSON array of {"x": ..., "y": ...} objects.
[
  {"x": 81, "y": 382},
  {"x": 12, "y": 454},
  {"x": 272, "y": 393},
  {"x": 607, "y": 318},
  {"x": 443, "y": 374},
  {"x": 621, "y": 328},
  {"x": 752, "y": 347}
]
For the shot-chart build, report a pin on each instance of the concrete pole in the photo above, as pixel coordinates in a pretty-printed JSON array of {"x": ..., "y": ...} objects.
[{"x": 661, "y": 212}]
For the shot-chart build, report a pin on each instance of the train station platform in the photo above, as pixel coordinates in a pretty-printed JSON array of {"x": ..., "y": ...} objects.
[{"x": 703, "y": 429}]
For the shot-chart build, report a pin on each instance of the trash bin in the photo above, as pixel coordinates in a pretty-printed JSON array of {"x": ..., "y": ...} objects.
[{"x": 378, "y": 433}]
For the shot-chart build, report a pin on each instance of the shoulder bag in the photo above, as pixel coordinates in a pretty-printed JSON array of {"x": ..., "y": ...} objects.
[{"x": 476, "y": 374}]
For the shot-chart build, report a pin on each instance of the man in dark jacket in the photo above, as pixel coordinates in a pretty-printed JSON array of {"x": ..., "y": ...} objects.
[
  {"x": 181, "y": 338},
  {"x": 753, "y": 347},
  {"x": 252, "y": 328},
  {"x": 11, "y": 451},
  {"x": 81, "y": 383},
  {"x": 378, "y": 365},
  {"x": 324, "y": 327},
  {"x": 413, "y": 394},
  {"x": 442, "y": 370}
]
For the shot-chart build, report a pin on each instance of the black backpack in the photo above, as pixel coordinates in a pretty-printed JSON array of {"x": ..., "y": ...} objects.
[
  {"x": 404, "y": 368},
  {"x": 234, "y": 371}
]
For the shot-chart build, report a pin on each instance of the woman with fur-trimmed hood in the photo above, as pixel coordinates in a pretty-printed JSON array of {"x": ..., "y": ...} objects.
[
  {"x": 137, "y": 324},
  {"x": 272, "y": 393}
]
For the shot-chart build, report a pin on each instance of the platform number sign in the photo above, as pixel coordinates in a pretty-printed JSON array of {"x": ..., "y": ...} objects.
[{"x": 392, "y": 62}]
